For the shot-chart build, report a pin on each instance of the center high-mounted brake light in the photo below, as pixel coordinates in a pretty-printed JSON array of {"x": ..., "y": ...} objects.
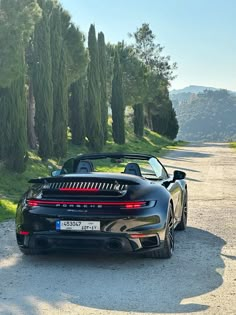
[{"x": 122, "y": 204}]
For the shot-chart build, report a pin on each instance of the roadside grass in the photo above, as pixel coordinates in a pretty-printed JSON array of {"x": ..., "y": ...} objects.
[
  {"x": 233, "y": 145},
  {"x": 13, "y": 185},
  {"x": 7, "y": 209}
]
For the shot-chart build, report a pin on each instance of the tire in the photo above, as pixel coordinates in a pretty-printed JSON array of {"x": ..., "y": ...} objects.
[
  {"x": 32, "y": 251},
  {"x": 184, "y": 216},
  {"x": 167, "y": 250}
]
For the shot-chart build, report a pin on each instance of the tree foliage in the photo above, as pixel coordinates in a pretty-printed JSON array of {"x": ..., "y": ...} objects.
[
  {"x": 138, "y": 120},
  {"x": 76, "y": 55},
  {"x": 206, "y": 116},
  {"x": 60, "y": 84},
  {"x": 150, "y": 52},
  {"x": 117, "y": 103},
  {"x": 134, "y": 75},
  {"x": 103, "y": 83},
  {"x": 42, "y": 83},
  {"x": 77, "y": 112},
  {"x": 43, "y": 55},
  {"x": 94, "y": 126},
  {"x": 158, "y": 72},
  {"x": 17, "y": 20}
]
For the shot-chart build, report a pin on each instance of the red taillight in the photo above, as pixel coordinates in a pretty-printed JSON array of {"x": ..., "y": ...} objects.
[
  {"x": 24, "y": 233},
  {"x": 80, "y": 189},
  {"x": 33, "y": 203},
  {"x": 124, "y": 204},
  {"x": 138, "y": 235},
  {"x": 134, "y": 205}
]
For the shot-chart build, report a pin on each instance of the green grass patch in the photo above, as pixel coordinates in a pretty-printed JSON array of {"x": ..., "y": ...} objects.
[
  {"x": 7, "y": 209},
  {"x": 233, "y": 145},
  {"x": 13, "y": 185}
]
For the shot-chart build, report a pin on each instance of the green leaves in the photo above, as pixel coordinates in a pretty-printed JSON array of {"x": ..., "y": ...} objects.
[
  {"x": 17, "y": 20},
  {"x": 77, "y": 112},
  {"x": 103, "y": 83},
  {"x": 76, "y": 55},
  {"x": 41, "y": 70},
  {"x": 117, "y": 103},
  {"x": 93, "y": 110}
]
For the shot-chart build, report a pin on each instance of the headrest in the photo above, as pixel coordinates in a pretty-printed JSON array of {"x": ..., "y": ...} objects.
[
  {"x": 85, "y": 167},
  {"x": 133, "y": 168}
]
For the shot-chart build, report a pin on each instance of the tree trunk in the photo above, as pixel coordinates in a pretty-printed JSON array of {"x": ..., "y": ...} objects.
[
  {"x": 32, "y": 139},
  {"x": 149, "y": 117}
]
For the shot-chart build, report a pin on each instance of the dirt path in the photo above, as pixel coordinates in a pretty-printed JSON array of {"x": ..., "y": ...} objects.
[{"x": 200, "y": 278}]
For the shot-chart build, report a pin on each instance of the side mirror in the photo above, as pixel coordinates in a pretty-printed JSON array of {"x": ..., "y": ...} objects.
[
  {"x": 56, "y": 173},
  {"x": 179, "y": 175}
]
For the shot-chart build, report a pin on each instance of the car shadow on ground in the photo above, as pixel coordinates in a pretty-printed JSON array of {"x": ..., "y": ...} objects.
[
  {"x": 206, "y": 144},
  {"x": 184, "y": 155},
  {"x": 181, "y": 168},
  {"x": 193, "y": 180},
  {"x": 122, "y": 283}
]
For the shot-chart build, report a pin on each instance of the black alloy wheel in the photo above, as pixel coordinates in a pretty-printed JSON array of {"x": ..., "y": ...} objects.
[{"x": 169, "y": 243}]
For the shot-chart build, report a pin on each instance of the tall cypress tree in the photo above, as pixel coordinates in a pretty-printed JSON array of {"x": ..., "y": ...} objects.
[
  {"x": 77, "y": 112},
  {"x": 59, "y": 80},
  {"x": 32, "y": 138},
  {"x": 94, "y": 126},
  {"x": 16, "y": 136},
  {"x": 117, "y": 103},
  {"x": 17, "y": 19},
  {"x": 173, "y": 126},
  {"x": 13, "y": 135},
  {"x": 42, "y": 82},
  {"x": 138, "y": 120},
  {"x": 3, "y": 121},
  {"x": 103, "y": 82}
]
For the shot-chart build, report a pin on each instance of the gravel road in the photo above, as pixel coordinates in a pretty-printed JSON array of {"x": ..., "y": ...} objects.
[{"x": 199, "y": 278}]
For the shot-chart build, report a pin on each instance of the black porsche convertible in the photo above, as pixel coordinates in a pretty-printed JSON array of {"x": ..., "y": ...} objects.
[{"x": 105, "y": 202}]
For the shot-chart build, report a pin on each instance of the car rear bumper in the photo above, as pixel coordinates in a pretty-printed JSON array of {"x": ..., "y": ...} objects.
[{"x": 109, "y": 242}]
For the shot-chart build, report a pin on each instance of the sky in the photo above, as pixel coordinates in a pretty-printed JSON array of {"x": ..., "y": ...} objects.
[{"x": 200, "y": 35}]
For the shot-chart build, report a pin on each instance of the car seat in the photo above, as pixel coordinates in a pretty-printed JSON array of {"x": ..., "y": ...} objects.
[
  {"x": 133, "y": 169},
  {"x": 85, "y": 167}
]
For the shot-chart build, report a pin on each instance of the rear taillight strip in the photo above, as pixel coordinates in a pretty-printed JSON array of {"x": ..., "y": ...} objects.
[{"x": 127, "y": 204}]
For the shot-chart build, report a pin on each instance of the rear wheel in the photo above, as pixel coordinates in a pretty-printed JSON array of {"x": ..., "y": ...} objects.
[
  {"x": 167, "y": 250},
  {"x": 184, "y": 217}
]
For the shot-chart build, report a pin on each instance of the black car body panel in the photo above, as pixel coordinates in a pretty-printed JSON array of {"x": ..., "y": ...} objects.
[{"x": 119, "y": 212}]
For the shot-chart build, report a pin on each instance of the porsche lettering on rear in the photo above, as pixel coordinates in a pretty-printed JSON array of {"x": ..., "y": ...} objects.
[{"x": 78, "y": 206}]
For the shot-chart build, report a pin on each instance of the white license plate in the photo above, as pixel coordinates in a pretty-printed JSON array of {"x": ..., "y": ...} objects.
[{"x": 77, "y": 225}]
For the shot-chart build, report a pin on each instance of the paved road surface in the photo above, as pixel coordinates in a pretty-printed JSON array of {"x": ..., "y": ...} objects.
[{"x": 200, "y": 278}]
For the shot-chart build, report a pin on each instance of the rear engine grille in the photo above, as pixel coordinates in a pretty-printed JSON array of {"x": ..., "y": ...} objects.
[{"x": 86, "y": 185}]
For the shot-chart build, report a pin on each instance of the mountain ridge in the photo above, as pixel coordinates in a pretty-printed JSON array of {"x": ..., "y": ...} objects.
[
  {"x": 195, "y": 89},
  {"x": 206, "y": 116}
]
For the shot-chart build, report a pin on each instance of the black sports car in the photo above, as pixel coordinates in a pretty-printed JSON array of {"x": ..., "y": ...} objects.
[{"x": 110, "y": 201}]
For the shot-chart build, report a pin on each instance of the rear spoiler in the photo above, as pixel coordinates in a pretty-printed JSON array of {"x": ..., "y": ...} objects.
[{"x": 76, "y": 179}]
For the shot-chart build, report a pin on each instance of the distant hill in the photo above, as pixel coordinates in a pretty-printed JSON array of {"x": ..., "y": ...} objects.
[
  {"x": 193, "y": 89},
  {"x": 206, "y": 116}
]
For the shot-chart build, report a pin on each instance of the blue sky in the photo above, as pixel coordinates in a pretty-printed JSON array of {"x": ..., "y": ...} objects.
[{"x": 200, "y": 35}]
